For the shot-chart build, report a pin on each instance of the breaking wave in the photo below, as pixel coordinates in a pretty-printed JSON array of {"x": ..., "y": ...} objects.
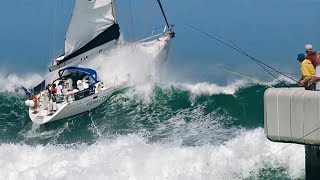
[
  {"x": 153, "y": 128},
  {"x": 132, "y": 157}
]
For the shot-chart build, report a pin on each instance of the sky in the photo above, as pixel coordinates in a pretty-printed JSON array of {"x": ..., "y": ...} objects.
[{"x": 274, "y": 31}]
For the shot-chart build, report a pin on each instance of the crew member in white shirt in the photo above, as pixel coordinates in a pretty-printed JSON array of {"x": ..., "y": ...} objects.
[{"x": 59, "y": 88}]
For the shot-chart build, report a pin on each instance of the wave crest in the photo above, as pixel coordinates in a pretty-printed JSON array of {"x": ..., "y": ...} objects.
[{"x": 131, "y": 157}]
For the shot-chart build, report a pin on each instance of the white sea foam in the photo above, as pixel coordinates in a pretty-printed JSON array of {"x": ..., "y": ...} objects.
[
  {"x": 210, "y": 89},
  {"x": 127, "y": 65},
  {"x": 145, "y": 91},
  {"x": 131, "y": 157},
  {"x": 124, "y": 64},
  {"x": 13, "y": 81},
  {"x": 283, "y": 79},
  {"x": 133, "y": 67}
]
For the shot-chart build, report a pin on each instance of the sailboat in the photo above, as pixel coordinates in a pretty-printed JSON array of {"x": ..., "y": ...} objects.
[
  {"x": 93, "y": 29},
  {"x": 78, "y": 90}
]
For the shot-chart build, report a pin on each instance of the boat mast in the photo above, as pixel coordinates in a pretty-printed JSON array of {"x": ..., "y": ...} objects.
[
  {"x": 114, "y": 11},
  {"x": 165, "y": 18}
]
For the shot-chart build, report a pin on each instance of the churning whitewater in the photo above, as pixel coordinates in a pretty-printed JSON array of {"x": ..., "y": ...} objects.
[{"x": 154, "y": 128}]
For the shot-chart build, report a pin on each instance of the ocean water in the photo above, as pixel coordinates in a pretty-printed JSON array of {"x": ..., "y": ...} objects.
[{"x": 155, "y": 127}]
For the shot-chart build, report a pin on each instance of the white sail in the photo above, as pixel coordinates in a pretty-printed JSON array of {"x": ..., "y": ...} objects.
[
  {"x": 94, "y": 29},
  {"x": 90, "y": 18}
]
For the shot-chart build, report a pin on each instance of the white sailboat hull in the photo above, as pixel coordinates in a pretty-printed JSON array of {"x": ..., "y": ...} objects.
[
  {"x": 156, "y": 46},
  {"x": 65, "y": 110}
]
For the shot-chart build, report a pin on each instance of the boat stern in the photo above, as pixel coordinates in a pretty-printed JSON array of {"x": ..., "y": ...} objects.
[{"x": 42, "y": 116}]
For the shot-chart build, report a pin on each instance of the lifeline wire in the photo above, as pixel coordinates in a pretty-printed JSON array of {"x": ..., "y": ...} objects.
[{"x": 244, "y": 53}]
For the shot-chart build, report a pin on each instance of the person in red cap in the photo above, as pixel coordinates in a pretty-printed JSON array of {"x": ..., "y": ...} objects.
[{"x": 311, "y": 55}]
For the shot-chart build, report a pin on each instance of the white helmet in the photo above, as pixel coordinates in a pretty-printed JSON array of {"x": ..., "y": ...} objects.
[{"x": 308, "y": 47}]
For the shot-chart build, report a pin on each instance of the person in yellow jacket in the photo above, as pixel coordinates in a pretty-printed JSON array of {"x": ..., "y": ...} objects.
[{"x": 307, "y": 70}]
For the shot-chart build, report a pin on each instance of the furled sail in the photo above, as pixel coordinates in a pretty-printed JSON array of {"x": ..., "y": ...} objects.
[{"x": 93, "y": 24}]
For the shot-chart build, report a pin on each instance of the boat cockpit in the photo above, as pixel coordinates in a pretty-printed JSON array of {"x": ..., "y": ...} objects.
[{"x": 76, "y": 83}]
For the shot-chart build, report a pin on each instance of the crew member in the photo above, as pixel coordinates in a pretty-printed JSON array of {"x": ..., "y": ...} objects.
[
  {"x": 54, "y": 89},
  {"x": 59, "y": 88}
]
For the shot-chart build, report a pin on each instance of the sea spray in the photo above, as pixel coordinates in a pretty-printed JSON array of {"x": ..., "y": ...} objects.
[
  {"x": 131, "y": 157},
  {"x": 11, "y": 82},
  {"x": 124, "y": 64}
]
